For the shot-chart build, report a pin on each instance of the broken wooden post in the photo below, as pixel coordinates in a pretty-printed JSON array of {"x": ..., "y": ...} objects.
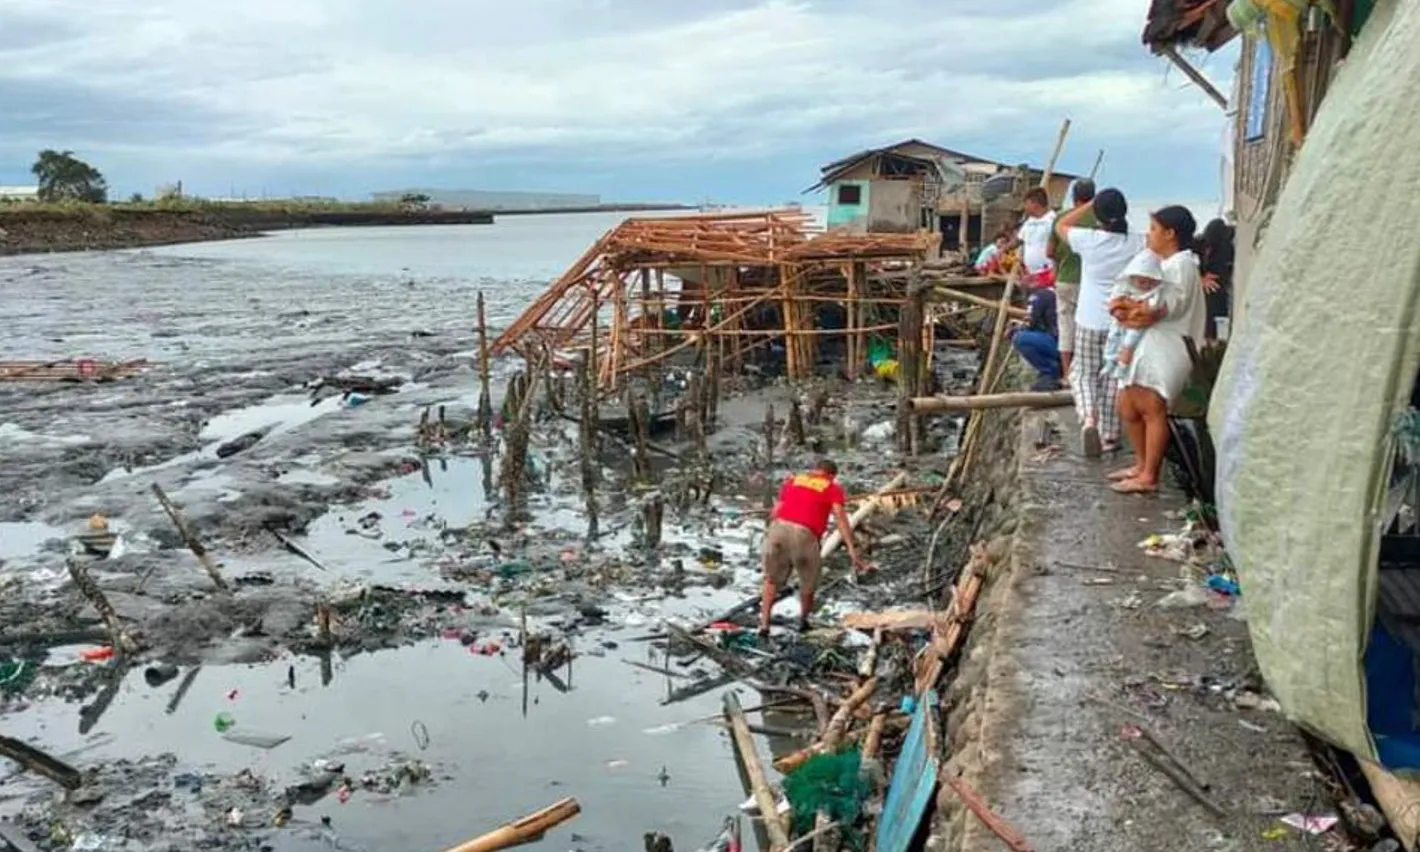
[
  {"x": 120, "y": 639},
  {"x": 654, "y": 513},
  {"x": 203, "y": 557},
  {"x": 711, "y": 406},
  {"x": 525, "y": 830},
  {"x": 40, "y": 763},
  {"x": 759, "y": 783},
  {"x": 768, "y": 436},
  {"x": 639, "y": 420},
  {"x": 323, "y": 634},
  {"x": 796, "y": 422},
  {"x": 980, "y": 402},
  {"x": 485, "y": 395},
  {"x": 519, "y": 434},
  {"x": 587, "y": 434},
  {"x": 910, "y": 364}
]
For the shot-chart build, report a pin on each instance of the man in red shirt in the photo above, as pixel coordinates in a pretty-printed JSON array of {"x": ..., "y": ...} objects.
[{"x": 791, "y": 543}]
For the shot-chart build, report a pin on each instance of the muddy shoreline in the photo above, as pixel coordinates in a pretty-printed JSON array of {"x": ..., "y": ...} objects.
[
  {"x": 100, "y": 228},
  {"x": 104, "y": 228}
]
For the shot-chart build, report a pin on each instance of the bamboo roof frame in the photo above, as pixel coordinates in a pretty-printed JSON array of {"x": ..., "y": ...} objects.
[{"x": 758, "y": 260}]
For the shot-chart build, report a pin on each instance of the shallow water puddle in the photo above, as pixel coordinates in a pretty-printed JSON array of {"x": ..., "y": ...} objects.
[
  {"x": 279, "y": 414},
  {"x": 365, "y": 539},
  {"x": 25, "y": 538},
  {"x": 633, "y": 764}
]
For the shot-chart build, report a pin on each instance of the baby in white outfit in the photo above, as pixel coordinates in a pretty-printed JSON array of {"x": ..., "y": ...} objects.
[{"x": 1139, "y": 281}]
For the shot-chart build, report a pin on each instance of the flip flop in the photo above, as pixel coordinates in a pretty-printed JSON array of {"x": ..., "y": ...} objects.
[
  {"x": 1121, "y": 475},
  {"x": 1090, "y": 439},
  {"x": 1110, "y": 446},
  {"x": 1134, "y": 486}
]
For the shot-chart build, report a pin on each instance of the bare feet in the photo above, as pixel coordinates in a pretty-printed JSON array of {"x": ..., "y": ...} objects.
[
  {"x": 1135, "y": 486},
  {"x": 1121, "y": 475}
]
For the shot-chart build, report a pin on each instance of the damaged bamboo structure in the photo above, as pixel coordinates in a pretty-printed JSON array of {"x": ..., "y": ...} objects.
[
  {"x": 714, "y": 290},
  {"x": 75, "y": 370}
]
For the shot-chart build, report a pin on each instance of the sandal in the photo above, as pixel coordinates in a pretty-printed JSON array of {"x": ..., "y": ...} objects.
[
  {"x": 1109, "y": 446},
  {"x": 1090, "y": 441},
  {"x": 1134, "y": 486}
]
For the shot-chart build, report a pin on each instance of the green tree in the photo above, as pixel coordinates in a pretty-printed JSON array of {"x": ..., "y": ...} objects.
[
  {"x": 64, "y": 177},
  {"x": 414, "y": 200},
  {"x": 135, "y": 198}
]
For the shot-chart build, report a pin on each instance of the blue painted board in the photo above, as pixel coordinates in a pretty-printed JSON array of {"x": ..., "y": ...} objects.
[{"x": 914, "y": 780}]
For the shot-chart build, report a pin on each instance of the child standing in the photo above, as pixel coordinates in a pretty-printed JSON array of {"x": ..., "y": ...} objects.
[{"x": 1140, "y": 281}]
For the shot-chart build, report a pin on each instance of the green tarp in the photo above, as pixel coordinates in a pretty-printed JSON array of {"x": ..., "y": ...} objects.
[{"x": 1323, "y": 358}]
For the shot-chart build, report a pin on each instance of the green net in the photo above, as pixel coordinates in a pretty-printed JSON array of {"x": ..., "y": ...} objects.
[{"x": 833, "y": 783}]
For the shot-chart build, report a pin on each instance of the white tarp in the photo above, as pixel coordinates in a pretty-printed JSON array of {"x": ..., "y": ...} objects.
[{"x": 1323, "y": 357}]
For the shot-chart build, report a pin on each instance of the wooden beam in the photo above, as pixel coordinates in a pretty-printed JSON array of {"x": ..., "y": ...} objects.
[
  {"x": 1195, "y": 75},
  {"x": 1023, "y": 399}
]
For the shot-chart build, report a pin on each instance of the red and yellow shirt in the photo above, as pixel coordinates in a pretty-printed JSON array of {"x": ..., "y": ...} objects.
[{"x": 807, "y": 499}]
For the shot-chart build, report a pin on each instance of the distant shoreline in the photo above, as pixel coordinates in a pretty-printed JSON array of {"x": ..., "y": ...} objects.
[{"x": 43, "y": 229}]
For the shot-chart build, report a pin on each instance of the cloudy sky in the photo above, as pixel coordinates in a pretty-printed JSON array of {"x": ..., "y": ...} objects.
[{"x": 731, "y": 100}]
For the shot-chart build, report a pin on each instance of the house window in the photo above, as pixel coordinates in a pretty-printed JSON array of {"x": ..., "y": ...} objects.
[
  {"x": 850, "y": 195},
  {"x": 1260, "y": 88}
]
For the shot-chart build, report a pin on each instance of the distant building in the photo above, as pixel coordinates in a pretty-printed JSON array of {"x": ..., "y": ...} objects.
[
  {"x": 477, "y": 199},
  {"x": 19, "y": 193},
  {"x": 915, "y": 185}
]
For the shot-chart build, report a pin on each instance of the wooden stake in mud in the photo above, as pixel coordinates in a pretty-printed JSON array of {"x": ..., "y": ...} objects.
[
  {"x": 796, "y": 422},
  {"x": 639, "y": 419},
  {"x": 203, "y": 557},
  {"x": 769, "y": 436},
  {"x": 712, "y": 387},
  {"x": 654, "y": 512},
  {"x": 759, "y": 783},
  {"x": 909, "y": 365},
  {"x": 485, "y": 395},
  {"x": 591, "y": 466},
  {"x": 120, "y": 639},
  {"x": 519, "y": 433}
]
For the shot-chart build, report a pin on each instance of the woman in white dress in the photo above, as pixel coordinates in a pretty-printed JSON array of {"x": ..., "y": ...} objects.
[
  {"x": 1161, "y": 366},
  {"x": 1104, "y": 251}
]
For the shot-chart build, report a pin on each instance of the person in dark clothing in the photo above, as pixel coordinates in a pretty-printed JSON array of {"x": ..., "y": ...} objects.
[
  {"x": 1038, "y": 342},
  {"x": 1215, "y": 264}
]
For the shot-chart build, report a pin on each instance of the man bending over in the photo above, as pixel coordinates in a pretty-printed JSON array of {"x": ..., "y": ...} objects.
[{"x": 791, "y": 544}]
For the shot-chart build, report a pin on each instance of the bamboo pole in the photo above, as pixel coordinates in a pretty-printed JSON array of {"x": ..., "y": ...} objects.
[
  {"x": 203, "y": 557},
  {"x": 525, "y": 830},
  {"x": 969, "y": 299},
  {"x": 1024, "y": 399},
  {"x": 759, "y": 783},
  {"x": 944, "y": 642},
  {"x": 866, "y": 508},
  {"x": 1055, "y": 155}
]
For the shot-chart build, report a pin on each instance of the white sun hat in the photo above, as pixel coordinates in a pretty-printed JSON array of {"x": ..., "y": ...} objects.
[{"x": 1145, "y": 264}]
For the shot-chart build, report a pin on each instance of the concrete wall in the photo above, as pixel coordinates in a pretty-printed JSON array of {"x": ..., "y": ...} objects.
[
  {"x": 896, "y": 206},
  {"x": 851, "y": 217}
]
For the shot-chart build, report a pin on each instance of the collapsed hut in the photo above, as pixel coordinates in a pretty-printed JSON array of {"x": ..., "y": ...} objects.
[{"x": 745, "y": 288}]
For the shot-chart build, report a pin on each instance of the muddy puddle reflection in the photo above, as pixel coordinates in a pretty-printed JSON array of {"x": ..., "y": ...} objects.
[{"x": 634, "y": 764}]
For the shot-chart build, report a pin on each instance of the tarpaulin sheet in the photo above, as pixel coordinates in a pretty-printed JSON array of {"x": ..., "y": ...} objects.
[{"x": 1322, "y": 360}]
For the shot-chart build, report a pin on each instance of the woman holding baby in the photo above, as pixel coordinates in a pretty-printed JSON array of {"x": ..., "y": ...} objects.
[
  {"x": 1162, "y": 323},
  {"x": 1141, "y": 298}
]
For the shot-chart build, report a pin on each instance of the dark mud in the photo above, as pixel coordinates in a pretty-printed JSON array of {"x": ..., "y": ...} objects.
[{"x": 429, "y": 590}]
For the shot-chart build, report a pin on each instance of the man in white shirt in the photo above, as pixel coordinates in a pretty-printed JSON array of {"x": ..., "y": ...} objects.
[{"x": 1035, "y": 233}]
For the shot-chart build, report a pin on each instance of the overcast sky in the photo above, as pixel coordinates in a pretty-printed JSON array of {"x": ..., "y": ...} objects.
[{"x": 731, "y": 100}]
